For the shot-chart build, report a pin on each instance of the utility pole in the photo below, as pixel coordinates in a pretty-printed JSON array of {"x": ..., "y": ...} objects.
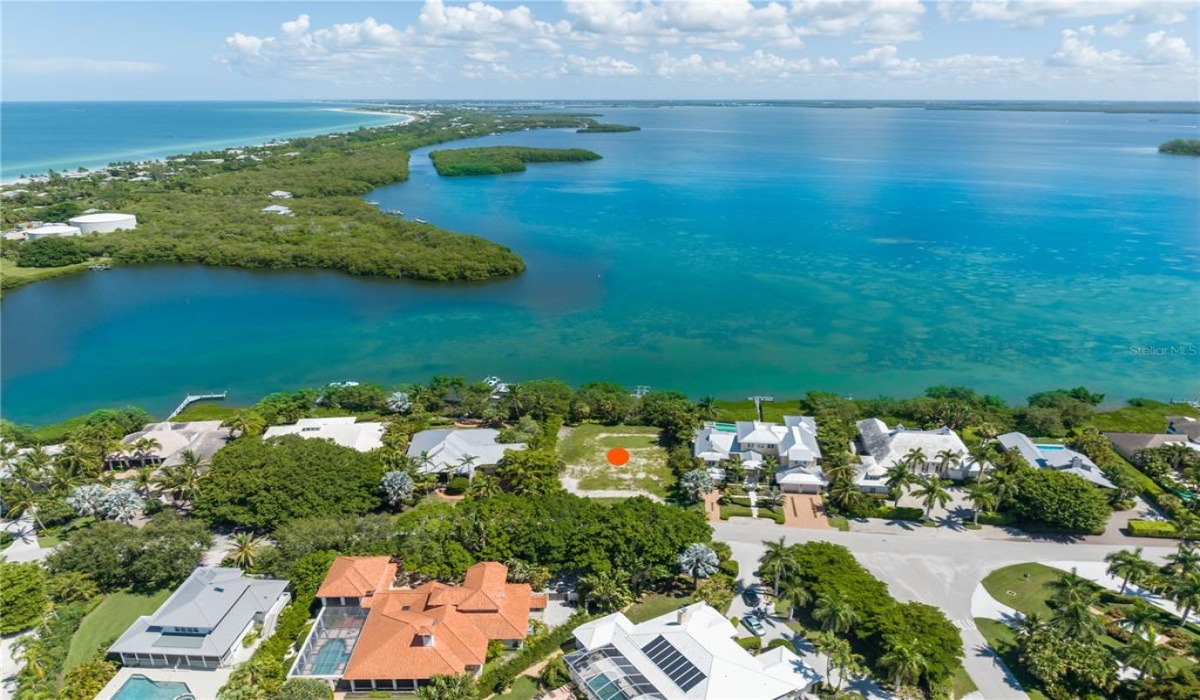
[{"x": 758, "y": 402}]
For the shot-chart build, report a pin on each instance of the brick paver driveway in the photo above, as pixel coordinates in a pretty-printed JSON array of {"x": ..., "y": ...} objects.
[{"x": 806, "y": 511}]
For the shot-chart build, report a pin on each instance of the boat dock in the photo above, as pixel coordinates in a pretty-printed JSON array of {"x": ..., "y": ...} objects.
[{"x": 193, "y": 398}]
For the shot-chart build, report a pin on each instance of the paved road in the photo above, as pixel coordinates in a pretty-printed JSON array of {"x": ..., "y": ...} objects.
[{"x": 934, "y": 566}]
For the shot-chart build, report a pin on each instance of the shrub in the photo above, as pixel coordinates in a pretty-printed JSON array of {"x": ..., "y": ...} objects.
[
  {"x": 992, "y": 518},
  {"x": 899, "y": 513},
  {"x": 497, "y": 678},
  {"x": 305, "y": 689},
  {"x": 1153, "y": 528},
  {"x": 51, "y": 252},
  {"x": 23, "y": 598},
  {"x": 555, "y": 674},
  {"x": 1059, "y": 501},
  {"x": 751, "y": 644},
  {"x": 776, "y": 643},
  {"x": 458, "y": 485}
]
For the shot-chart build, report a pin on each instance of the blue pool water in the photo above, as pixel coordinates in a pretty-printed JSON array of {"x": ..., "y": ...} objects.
[
  {"x": 1045, "y": 448},
  {"x": 142, "y": 688},
  {"x": 329, "y": 658}
]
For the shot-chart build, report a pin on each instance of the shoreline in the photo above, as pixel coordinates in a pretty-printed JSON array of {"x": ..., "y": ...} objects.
[{"x": 104, "y": 161}]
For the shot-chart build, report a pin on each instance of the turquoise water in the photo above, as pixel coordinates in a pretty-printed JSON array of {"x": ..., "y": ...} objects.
[
  {"x": 142, "y": 688},
  {"x": 724, "y": 251},
  {"x": 39, "y": 136},
  {"x": 1046, "y": 448},
  {"x": 329, "y": 658}
]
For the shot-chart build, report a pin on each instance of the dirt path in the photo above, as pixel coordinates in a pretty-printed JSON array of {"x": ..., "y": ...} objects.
[{"x": 571, "y": 484}]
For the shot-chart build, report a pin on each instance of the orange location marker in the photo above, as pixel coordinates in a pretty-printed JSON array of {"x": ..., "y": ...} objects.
[{"x": 618, "y": 456}]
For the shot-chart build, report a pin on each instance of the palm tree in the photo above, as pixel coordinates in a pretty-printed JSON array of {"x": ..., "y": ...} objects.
[
  {"x": 904, "y": 661},
  {"x": 144, "y": 480},
  {"x": 1184, "y": 591},
  {"x": 1069, "y": 587},
  {"x": 191, "y": 460},
  {"x": 245, "y": 423},
  {"x": 945, "y": 458},
  {"x": 900, "y": 476},
  {"x": 698, "y": 561},
  {"x": 468, "y": 463},
  {"x": 835, "y": 613},
  {"x": 486, "y": 487},
  {"x": 1074, "y": 619},
  {"x": 605, "y": 591},
  {"x": 19, "y": 500},
  {"x": 181, "y": 482},
  {"x": 795, "y": 593},
  {"x": 1185, "y": 560},
  {"x": 461, "y": 687},
  {"x": 707, "y": 408},
  {"x": 62, "y": 479},
  {"x": 982, "y": 498},
  {"x": 80, "y": 459},
  {"x": 844, "y": 494},
  {"x": 30, "y": 468},
  {"x": 916, "y": 458},
  {"x": 247, "y": 547},
  {"x": 1004, "y": 487},
  {"x": 1140, "y": 615},
  {"x": 775, "y": 561},
  {"x": 1146, "y": 654},
  {"x": 842, "y": 659},
  {"x": 1176, "y": 454},
  {"x": 1129, "y": 566},
  {"x": 933, "y": 491},
  {"x": 144, "y": 446}
]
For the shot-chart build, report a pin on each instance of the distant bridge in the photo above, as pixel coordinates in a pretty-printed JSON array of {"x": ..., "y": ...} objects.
[{"x": 193, "y": 398}]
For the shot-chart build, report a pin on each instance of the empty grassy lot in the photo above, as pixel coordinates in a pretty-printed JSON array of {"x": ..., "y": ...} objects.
[{"x": 585, "y": 449}]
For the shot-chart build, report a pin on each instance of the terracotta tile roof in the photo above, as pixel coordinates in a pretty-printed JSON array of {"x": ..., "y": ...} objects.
[
  {"x": 354, "y": 577},
  {"x": 459, "y": 619}
]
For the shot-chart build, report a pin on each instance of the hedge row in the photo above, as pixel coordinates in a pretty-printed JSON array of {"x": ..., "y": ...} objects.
[
  {"x": 993, "y": 518},
  {"x": 898, "y": 513},
  {"x": 498, "y": 678},
  {"x": 751, "y": 644},
  {"x": 1153, "y": 528}
]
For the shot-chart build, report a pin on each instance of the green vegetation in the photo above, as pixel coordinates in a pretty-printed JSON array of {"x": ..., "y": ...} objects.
[
  {"x": 1027, "y": 581},
  {"x": 1059, "y": 501},
  {"x": 1182, "y": 147},
  {"x": 207, "y": 410},
  {"x": 494, "y": 160},
  {"x": 57, "y": 251},
  {"x": 596, "y": 128},
  {"x": 584, "y": 450},
  {"x": 13, "y": 276},
  {"x": 1140, "y": 416},
  {"x": 23, "y": 598},
  {"x": 206, "y": 208},
  {"x": 1001, "y": 638},
  {"x": 523, "y": 688},
  {"x": 655, "y": 605},
  {"x": 117, "y": 556},
  {"x": 109, "y": 620},
  {"x": 1153, "y": 528}
]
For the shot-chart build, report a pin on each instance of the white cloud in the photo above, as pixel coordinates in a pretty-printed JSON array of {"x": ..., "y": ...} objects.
[
  {"x": 1034, "y": 13},
  {"x": 1075, "y": 50},
  {"x": 757, "y": 66},
  {"x": 885, "y": 58},
  {"x": 710, "y": 24},
  {"x": 871, "y": 21},
  {"x": 600, "y": 66},
  {"x": 1166, "y": 49},
  {"x": 89, "y": 66}
]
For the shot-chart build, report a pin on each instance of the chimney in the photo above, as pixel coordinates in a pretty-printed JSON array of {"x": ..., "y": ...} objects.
[{"x": 684, "y": 614}]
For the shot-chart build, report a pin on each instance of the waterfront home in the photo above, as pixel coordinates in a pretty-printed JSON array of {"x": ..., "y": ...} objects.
[
  {"x": 281, "y": 194},
  {"x": 927, "y": 452},
  {"x": 1184, "y": 425},
  {"x": 277, "y": 209},
  {"x": 458, "y": 452},
  {"x": 688, "y": 653},
  {"x": 792, "y": 445},
  {"x": 202, "y": 625},
  {"x": 164, "y": 444},
  {"x": 1059, "y": 457},
  {"x": 343, "y": 430},
  {"x": 1129, "y": 444},
  {"x": 372, "y": 634}
]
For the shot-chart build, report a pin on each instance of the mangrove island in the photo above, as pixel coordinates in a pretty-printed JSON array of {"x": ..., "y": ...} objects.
[
  {"x": 495, "y": 160},
  {"x": 1181, "y": 147}
]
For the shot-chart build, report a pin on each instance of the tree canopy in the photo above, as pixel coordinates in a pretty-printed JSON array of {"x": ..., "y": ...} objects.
[{"x": 114, "y": 555}]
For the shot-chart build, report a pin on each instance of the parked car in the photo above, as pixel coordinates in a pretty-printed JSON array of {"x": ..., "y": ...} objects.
[
  {"x": 753, "y": 624},
  {"x": 750, "y": 595}
]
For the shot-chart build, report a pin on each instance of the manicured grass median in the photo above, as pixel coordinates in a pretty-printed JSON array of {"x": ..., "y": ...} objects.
[
  {"x": 1001, "y": 638},
  {"x": 108, "y": 621},
  {"x": 654, "y": 605},
  {"x": 1027, "y": 581}
]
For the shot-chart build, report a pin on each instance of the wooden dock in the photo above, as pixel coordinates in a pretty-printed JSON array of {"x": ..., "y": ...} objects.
[{"x": 193, "y": 398}]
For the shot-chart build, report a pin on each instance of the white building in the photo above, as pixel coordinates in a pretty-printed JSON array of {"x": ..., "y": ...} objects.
[
  {"x": 281, "y": 194},
  {"x": 881, "y": 448},
  {"x": 459, "y": 452},
  {"x": 343, "y": 430},
  {"x": 51, "y": 231},
  {"x": 689, "y": 654},
  {"x": 1058, "y": 457},
  {"x": 793, "y": 445},
  {"x": 104, "y": 222},
  {"x": 169, "y": 441}
]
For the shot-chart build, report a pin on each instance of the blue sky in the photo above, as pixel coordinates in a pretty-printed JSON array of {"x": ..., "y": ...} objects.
[{"x": 583, "y": 49}]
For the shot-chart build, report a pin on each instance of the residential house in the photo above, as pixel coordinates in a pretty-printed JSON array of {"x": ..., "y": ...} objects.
[
  {"x": 373, "y": 635},
  {"x": 458, "y": 452},
  {"x": 277, "y": 209},
  {"x": 164, "y": 444},
  {"x": 1129, "y": 444},
  {"x": 686, "y": 654},
  {"x": 1059, "y": 457},
  {"x": 281, "y": 194},
  {"x": 343, "y": 430},
  {"x": 881, "y": 448},
  {"x": 1184, "y": 425},
  {"x": 792, "y": 445},
  {"x": 203, "y": 623}
]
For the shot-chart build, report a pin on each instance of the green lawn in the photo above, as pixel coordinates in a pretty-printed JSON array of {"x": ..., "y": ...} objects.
[
  {"x": 207, "y": 410},
  {"x": 1150, "y": 417},
  {"x": 773, "y": 411},
  {"x": 1000, "y": 637},
  {"x": 523, "y": 688},
  {"x": 962, "y": 684},
  {"x": 1031, "y": 592},
  {"x": 48, "y": 541},
  {"x": 108, "y": 621},
  {"x": 584, "y": 452},
  {"x": 14, "y": 276},
  {"x": 58, "y": 432},
  {"x": 654, "y": 605}
]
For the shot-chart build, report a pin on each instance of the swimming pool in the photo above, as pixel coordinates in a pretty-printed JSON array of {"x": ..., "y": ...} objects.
[
  {"x": 1047, "y": 448},
  {"x": 142, "y": 688},
  {"x": 329, "y": 658}
]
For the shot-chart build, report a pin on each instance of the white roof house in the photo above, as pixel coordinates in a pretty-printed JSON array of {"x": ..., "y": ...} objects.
[
  {"x": 277, "y": 209},
  {"x": 793, "y": 444},
  {"x": 1057, "y": 457},
  {"x": 203, "y": 437},
  {"x": 443, "y": 451},
  {"x": 688, "y": 654},
  {"x": 882, "y": 448},
  {"x": 281, "y": 194},
  {"x": 343, "y": 430}
]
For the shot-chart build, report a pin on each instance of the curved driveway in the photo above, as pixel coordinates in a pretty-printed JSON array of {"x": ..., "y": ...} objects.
[{"x": 936, "y": 566}]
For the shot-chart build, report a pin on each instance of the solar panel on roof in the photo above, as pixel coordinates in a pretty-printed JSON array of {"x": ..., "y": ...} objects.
[{"x": 675, "y": 665}]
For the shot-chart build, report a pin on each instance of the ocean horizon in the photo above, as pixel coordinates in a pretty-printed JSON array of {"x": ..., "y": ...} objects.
[{"x": 727, "y": 251}]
